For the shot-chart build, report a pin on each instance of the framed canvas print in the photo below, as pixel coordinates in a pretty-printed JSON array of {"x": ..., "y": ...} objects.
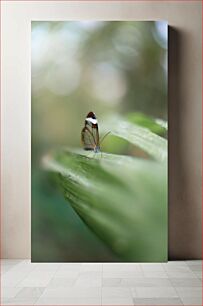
[{"x": 99, "y": 141}]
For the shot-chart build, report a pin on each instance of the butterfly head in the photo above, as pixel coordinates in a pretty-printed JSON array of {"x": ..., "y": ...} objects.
[{"x": 91, "y": 120}]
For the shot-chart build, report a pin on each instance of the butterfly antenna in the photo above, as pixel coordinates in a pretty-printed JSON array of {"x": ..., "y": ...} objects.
[{"x": 104, "y": 137}]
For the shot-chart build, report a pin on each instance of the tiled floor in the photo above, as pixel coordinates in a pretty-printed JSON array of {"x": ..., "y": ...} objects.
[{"x": 172, "y": 283}]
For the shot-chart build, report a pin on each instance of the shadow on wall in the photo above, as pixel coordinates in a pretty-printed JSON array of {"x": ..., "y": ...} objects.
[{"x": 184, "y": 204}]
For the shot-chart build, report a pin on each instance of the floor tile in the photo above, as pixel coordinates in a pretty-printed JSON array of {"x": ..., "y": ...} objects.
[
  {"x": 14, "y": 276},
  {"x": 37, "y": 279},
  {"x": 88, "y": 282},
  {"x": 76, "y": 267},
  {"x": 117, "y": 301},
  {"x": 196, "y": 268},
  {"x": 158, "y": 301},
  {"x": 176, "y": 268},
  {"x": 115, "y": 292},
  {"x": 30, "y": 292},
  {"x": 125, "y": 267},
  {"x": 153, "y": 292},
  {"x": 147, "y": 282},
  {"x": 9, "y": 292},
  {"x": 194, "y": 301},
  {"x": 89, "y": 279},
  {"x": 67, "y": 273},
  {"x": 185, "y": 282},
  {"x": 91, "y": 267},
  {"x": 122, "y": 274},
  {"x": 189, "y": 291},
  {"x": 21, "y": 301},
  {"x": 6, "y": 268},
  {"x": 155, "y": 274},
  {"x": 193, "y": 262},
  {"x": 50, "y": 267},
  {"x": 198, "y": 274},
  {"x": 81, "y": 292},
  {"x": 171, "y": 283},
  {"x": 152, "y": 267},
  {"x": 61, "y": 282},
  {"x": 69, "y": 301},
  {"x": 90, "y": 274},
  {"x": 4, "y": 301},
  {"x": 111, "y": 282},
  {"x": 178, "y": 274}
]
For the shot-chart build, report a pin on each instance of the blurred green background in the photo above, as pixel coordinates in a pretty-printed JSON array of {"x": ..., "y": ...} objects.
[{"x": 81, "y": 66}]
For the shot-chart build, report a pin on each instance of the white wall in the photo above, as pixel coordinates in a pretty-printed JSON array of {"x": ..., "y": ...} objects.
[{"x": 184, "y": 112}]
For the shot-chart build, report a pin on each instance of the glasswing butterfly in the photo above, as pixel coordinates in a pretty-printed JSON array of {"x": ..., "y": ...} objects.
[{"x": 90, "y": 134}]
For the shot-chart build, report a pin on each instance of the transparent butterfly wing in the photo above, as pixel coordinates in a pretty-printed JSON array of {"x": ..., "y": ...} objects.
[
  {"x": 90, "y": 135},
  {"x": 90, "y": 132},
  {"x": 87, "y": 139}
]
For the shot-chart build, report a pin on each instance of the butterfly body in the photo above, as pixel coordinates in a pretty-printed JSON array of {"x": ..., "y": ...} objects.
[
  {"x": 90, "y": 134},
  {"x": 97, "y": 149}
]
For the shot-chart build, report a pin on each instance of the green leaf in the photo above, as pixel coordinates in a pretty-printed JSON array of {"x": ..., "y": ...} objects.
[
  {"x": 157, "y": 126},
  {"x": 122, "y": 199},
  {"x": 143, "y": 138}
]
